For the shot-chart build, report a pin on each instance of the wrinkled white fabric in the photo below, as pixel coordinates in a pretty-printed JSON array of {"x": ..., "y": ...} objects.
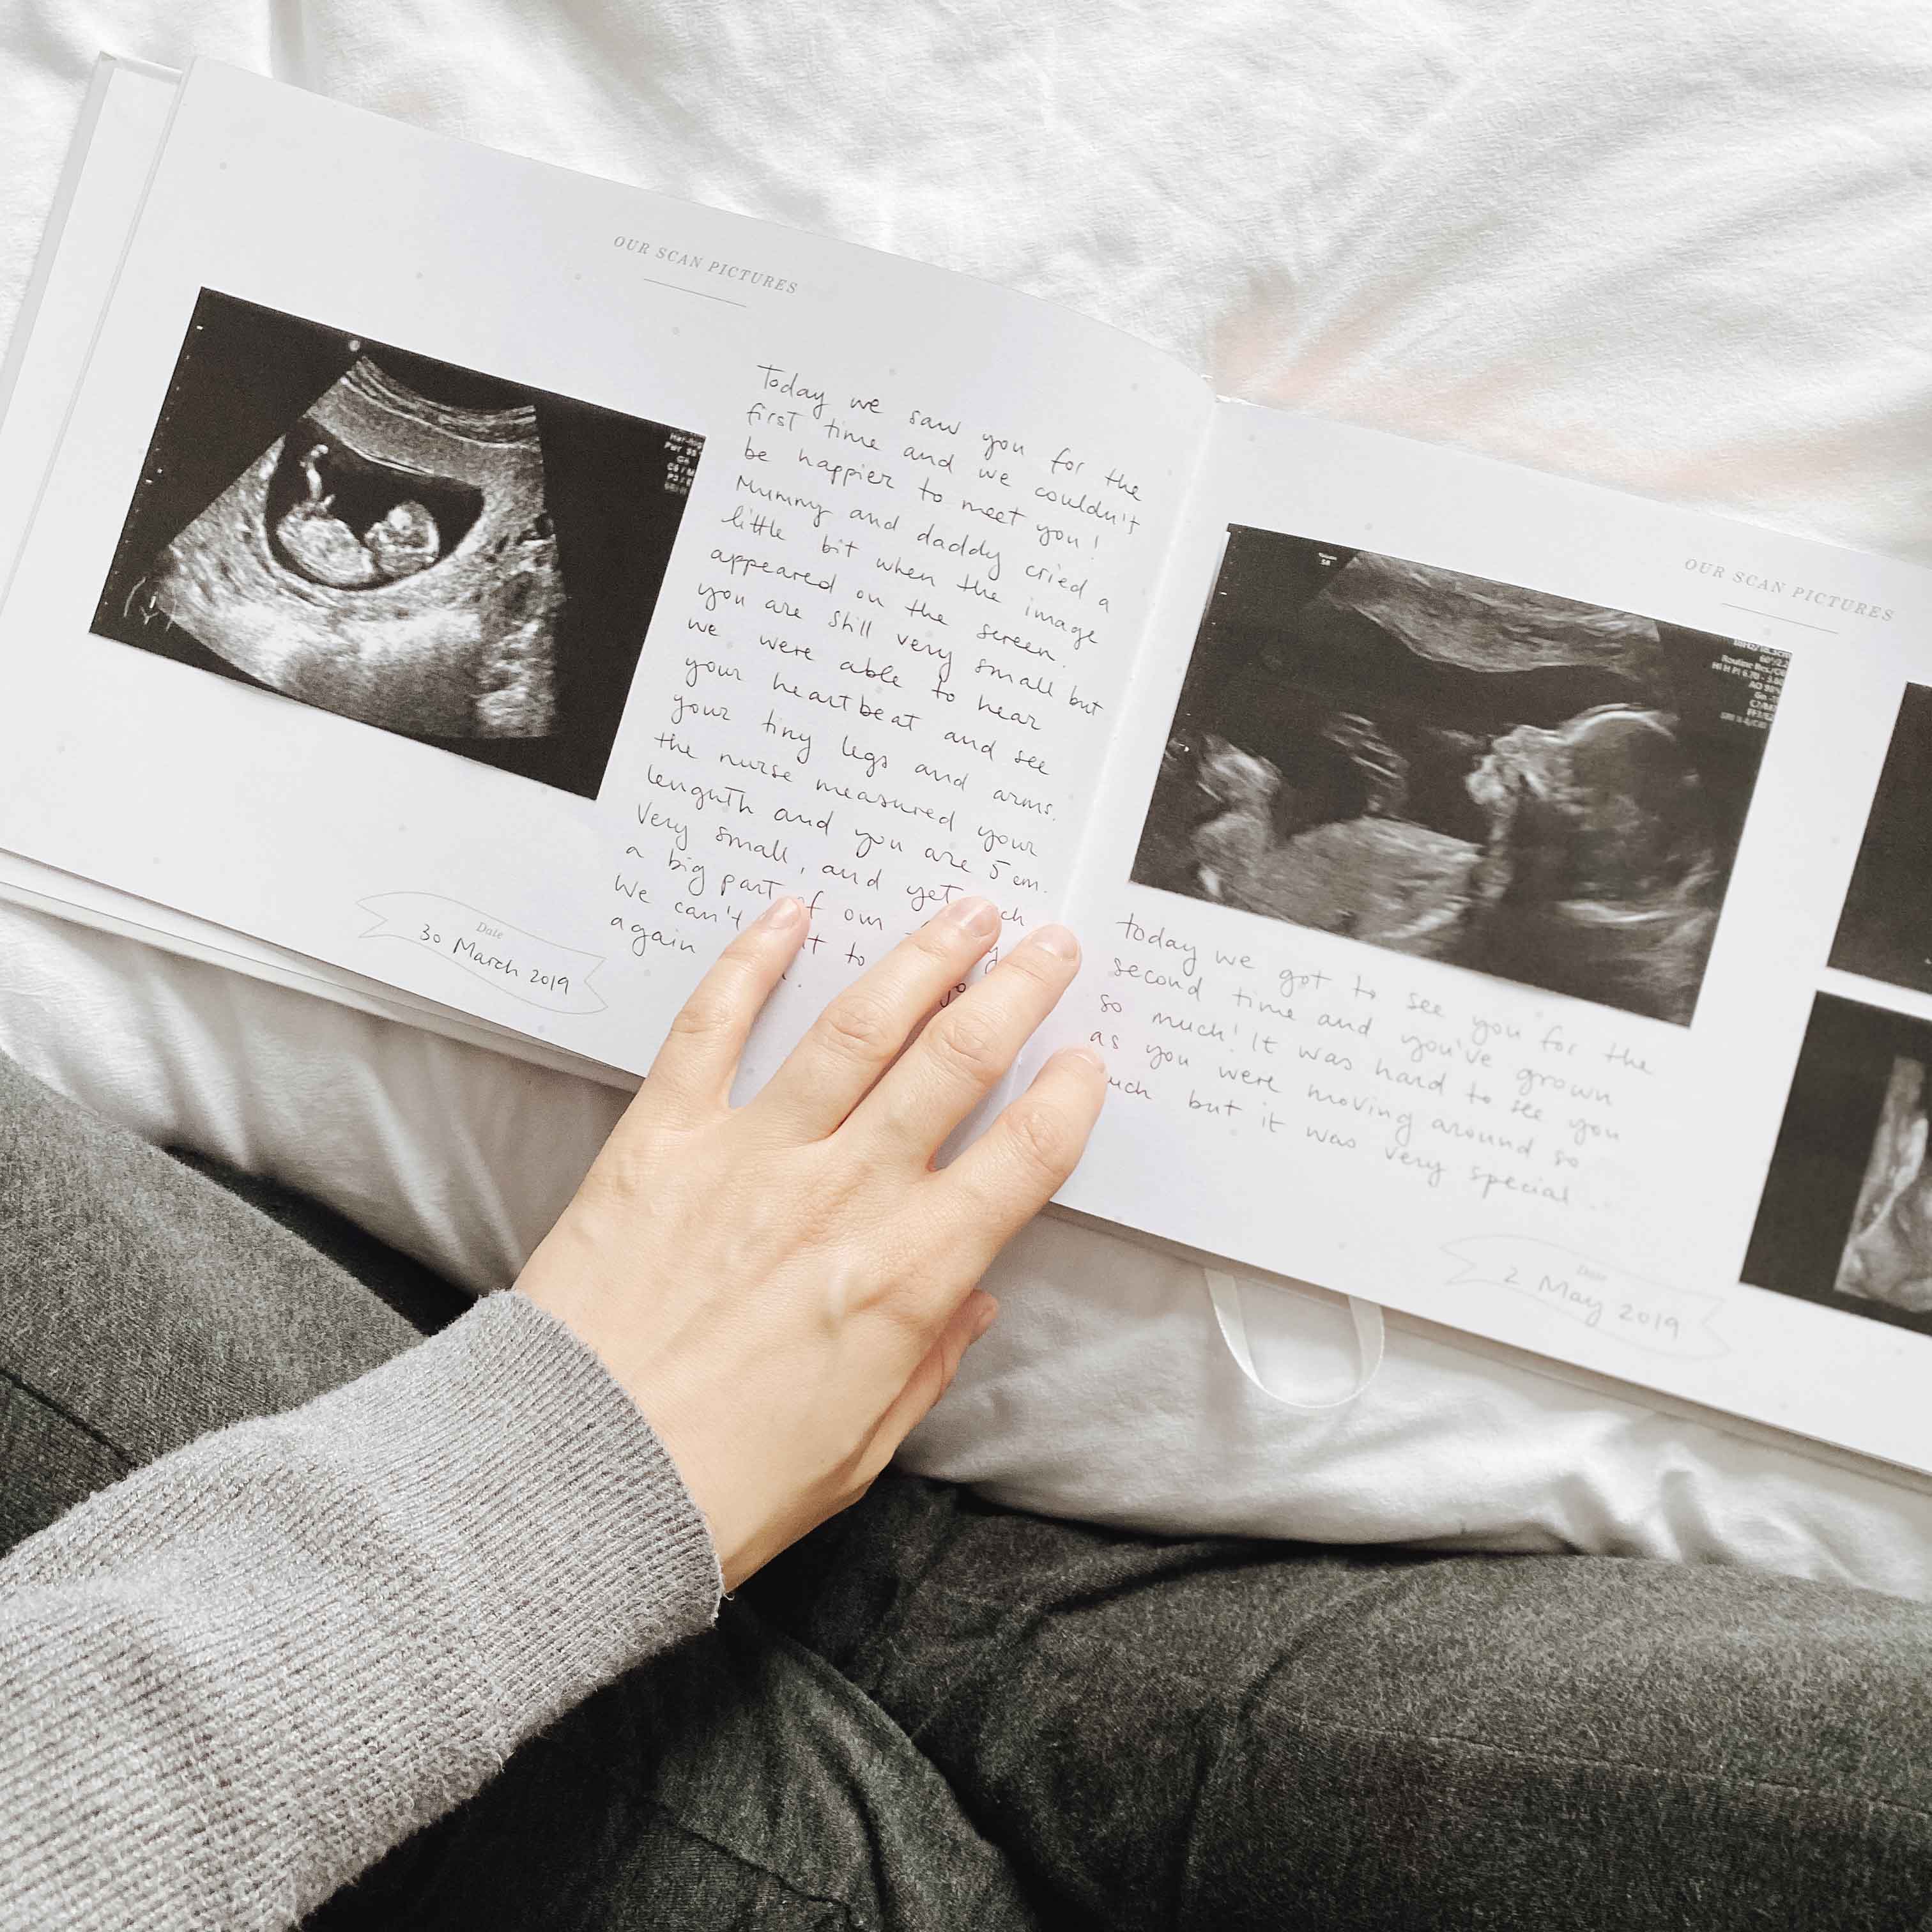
[{"x": 1683, "y": 250}]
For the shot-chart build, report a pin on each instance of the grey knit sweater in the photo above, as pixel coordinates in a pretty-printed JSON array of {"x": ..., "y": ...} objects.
[{"x": 230, "y": 1682}]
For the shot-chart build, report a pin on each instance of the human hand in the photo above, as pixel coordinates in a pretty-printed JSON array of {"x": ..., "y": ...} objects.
[{"x": 786, "y": 1287}]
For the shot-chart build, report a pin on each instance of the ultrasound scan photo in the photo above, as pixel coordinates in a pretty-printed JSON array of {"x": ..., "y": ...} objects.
[
  {"x": 1547, "y": 791},
  {"x": 1885, "y": 931},
  {"x": 1846, "y": 1217},
  {"x": 415, "y": 545}
]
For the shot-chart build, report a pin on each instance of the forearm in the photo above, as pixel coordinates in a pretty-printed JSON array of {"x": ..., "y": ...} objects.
[{"x": 231, "y": 1682}]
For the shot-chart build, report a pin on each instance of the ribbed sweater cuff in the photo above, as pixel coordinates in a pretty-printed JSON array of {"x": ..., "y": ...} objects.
[
  {"x": 551, "y": 1506},
  {"x": 252, "y": 1666}
]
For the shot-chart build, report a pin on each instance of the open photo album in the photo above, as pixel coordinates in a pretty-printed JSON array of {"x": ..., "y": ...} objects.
[{"x": 476, "y": 589}]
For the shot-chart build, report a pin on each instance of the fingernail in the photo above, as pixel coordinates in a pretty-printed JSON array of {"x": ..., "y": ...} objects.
[
  {"x": 978, "y": 919},
  {"x": 1057, "y": 941},
  {"x": 1090, "y": 1054},
  {"x": 781, "y": 914},
  {"x": 987, "y": 1316}
]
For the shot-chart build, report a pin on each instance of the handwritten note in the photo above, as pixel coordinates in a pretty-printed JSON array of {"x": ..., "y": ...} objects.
[
  {"x": 894, "y": 675},
  {"x": 1453, "y": 1092}
]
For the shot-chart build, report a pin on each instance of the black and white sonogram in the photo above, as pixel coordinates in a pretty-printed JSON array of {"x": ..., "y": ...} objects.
[
  {"x": 1549, "y": 791},
  {"x": 1846, "y": 1216},
  {"x": 1885, "y": 931},
  {"x": 419, "y": 547}
]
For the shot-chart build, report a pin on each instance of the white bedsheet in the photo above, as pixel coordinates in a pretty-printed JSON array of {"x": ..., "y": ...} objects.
[{"x": 1682, "y": 250}]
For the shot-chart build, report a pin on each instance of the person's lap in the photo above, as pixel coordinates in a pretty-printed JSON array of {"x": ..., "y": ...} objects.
[
  {"x": 739, "y": 1780},
  {"x": 1210, "y": 1733},
  {"x": 937, "y": 1713}
]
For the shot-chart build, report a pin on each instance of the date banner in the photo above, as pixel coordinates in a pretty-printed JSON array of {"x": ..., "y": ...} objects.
[
  {"x": 1647, "y": 1315},
  {"x": 537, "y": 971}
]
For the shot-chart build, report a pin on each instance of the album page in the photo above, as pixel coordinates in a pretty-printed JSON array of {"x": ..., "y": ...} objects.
[
  {"x": 1512, "y": 902},
  {"x": 501, "y": 584},
  {"x": 122, "y": 126}
]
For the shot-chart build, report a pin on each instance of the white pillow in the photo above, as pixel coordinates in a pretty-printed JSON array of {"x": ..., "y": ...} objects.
[{"x": 1105, "y": 1391}]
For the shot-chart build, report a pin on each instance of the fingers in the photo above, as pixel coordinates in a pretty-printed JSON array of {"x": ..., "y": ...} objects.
[
  {"x": 856, "y": 1037},
  {"x": 929, "y": 1380},
  {"x": 1024, "y": 1158},
  {"x": 694, "y": 1067},
  {"x": 966, "y": 1050}
]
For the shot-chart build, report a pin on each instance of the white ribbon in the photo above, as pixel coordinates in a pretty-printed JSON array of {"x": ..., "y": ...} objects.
[{"x": 1225, "y": 1293}]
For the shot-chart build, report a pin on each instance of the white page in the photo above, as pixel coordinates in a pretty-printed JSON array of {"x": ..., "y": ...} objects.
[
  {"x": 1605, "y": 1220},
  {"x": 40, "y": 889},
  {"x": 122, "y": 124},
  {"x": 120, "y": 133},
  {"x": 361, "y": 844}
]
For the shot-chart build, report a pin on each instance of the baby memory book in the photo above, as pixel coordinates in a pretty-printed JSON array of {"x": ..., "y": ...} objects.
[{"x": 481, "y": 588}]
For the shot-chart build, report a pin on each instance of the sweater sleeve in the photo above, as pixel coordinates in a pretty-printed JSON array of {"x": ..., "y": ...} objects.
[{"x": 232, "y": 1681}]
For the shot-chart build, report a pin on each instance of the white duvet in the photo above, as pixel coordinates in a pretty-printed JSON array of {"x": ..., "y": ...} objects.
[{"x": 1684, "y": 250}]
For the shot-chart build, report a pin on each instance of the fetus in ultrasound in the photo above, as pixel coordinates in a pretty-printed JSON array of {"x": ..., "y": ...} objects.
[
  {"x": 1496, "y": 777},
  {"x": 437, "y": 551},
  {"x": 327, "y": 550},
  {"x": 1373, "y": 877},
  {"x": 1888, "y": 1254},
  {"x": 1601, "y": 874},
  {"x": 390, "y": 557},
  {"x": 1594, "y": 874}
]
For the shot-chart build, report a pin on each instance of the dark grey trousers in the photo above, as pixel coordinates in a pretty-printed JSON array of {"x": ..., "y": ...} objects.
[{"x": 934, "y": 1713}]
